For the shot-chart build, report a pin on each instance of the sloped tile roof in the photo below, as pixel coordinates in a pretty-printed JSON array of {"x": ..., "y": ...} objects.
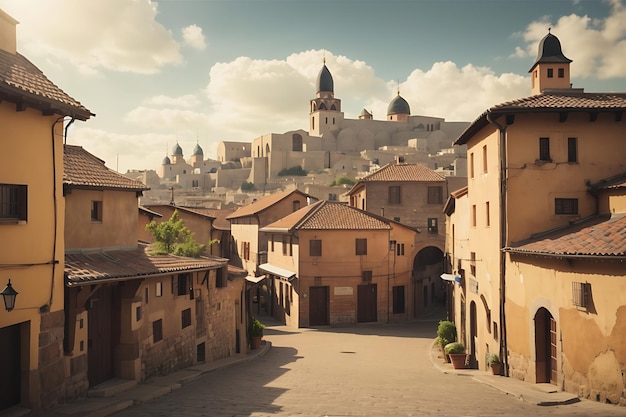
[
  {"x": 327, "y": 215},
  {"x": 263, "y": 203},
  {"x": 23, "y": 83},
  {"x": 404, "y": 172},
  {"x": 89, "y": 267},
  {"x": 615, "y": 183},
  {"x": 84, "y": 170},
  {"x": 599, "y": 236},
  {"x": 219, "y": 216},
  {"x": 549, "y": 101}
]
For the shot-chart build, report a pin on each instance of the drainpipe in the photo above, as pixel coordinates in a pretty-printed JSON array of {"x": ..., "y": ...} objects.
[{"x": 503, "y": 224}]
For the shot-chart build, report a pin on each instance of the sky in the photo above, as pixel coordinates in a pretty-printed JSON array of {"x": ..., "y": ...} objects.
[{"x": 161, "y": 72}]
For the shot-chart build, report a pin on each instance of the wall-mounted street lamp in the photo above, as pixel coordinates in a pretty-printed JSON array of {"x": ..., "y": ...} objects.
[{"x": 9, "y": 294}]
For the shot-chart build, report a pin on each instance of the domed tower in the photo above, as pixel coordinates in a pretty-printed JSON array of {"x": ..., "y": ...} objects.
[
  {"x": 177, "y": 154},
  {"x": 398, "y": 110},
  {"x": 551, "y": 69},
  {"x": 198, "y": 156},
  {"x": 325, "y": 112},
  {"x": 365, "y": 115},
  {"x": 166, "y": 161}
]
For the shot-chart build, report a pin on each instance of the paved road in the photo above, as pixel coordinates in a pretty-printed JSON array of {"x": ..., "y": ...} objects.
[{"x": 373, "y": 370}]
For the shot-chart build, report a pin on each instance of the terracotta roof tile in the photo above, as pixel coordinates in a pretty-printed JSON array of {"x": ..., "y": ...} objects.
[
  {"x": 600, "y": 236},
  {"x": 326, "y": 215},
  {"x": 86, "y": 267},
  {"x": 549, "y": 101},
  {"x": 613, "y": 183},
  {"x": 263, "y": 203},
  {"x": 21, "y": 82},
  {"x": 404, "y": 172},
  {"x": 84, "y": 170}
]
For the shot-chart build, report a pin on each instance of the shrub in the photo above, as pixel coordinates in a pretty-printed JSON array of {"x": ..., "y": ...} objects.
[
  {"x": 455, "y": 347},
  {"x": 293, "y": 171},
  {"x": 492, "y": 358},
  {"x": 256, "y": 328},
  {"x": 247, "y": 186},
  {"x": 342, "y": 181},
  {"x": 446, "y": 332}
]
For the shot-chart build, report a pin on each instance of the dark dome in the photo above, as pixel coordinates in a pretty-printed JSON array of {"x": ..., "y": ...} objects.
[
  {"x": 166, "y": 161},
  {"x": 550, "y": 50},
  {"x": 398, "y": 106},
  {"x": 325, "y": 80},
  {"x": 197, "y": 150},
  {"x": 177, "y": 150}
]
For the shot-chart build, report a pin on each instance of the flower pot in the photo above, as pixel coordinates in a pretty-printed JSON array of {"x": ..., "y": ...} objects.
[
  {"x": 495, "y": 368},
  {"x": 458, "y": 360},
  {"x": 255, "y": 342}
]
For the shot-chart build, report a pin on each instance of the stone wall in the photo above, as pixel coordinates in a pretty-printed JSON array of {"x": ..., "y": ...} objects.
[{"x": 51, "y": 362}]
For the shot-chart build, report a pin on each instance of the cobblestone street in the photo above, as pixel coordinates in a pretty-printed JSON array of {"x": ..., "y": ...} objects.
[{"x": 373, "y": 370}]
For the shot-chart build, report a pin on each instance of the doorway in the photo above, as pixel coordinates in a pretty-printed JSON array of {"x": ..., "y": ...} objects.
[
  {"x": 318, "y": 306},
  {"x": 366, "y": 300},
  {"x": 545, "y": 347},
  {"x": 10, "y": 361}
]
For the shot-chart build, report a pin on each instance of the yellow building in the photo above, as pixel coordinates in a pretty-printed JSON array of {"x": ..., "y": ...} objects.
[
  {"x": 33, "y": 112},
  {"x": 331, "y": 264},
  {"x": 542, "y": 286}
]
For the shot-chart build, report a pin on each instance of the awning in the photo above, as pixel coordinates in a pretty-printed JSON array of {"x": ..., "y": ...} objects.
[
  {"x": 275, "y": 270},
  {"x": 254, "y": 279},
  {"x": 450, "y": 277}
]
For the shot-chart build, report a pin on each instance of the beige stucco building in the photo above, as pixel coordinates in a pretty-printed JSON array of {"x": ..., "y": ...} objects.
[
  {"x": 33, "y": 112},
  {"x": 544, "y": 217},
  {"x": 331, "y": 264},
  {"x": 131, "y": 314}
]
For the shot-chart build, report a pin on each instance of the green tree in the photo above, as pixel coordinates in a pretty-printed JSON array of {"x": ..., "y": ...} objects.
[{"x": 173, "y": 236}]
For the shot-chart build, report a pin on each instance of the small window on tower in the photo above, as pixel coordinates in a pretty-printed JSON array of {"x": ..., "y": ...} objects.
[{"x": 550, "y": 73}]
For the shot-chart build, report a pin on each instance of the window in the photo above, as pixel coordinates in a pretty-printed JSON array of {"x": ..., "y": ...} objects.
[
  {"x": 433, "y": 226},
  {"x": 561, "y": 73},
  {"x": 572, "y": 150},
  {"x": 315, "y": 247},
  {"x": 96, "y": 211},
  {"x": 296, "y": 205},
  {"x": 487, "y": 221},
  {"x": 183, "y": 284},
  {"x": 366, "y": 276},
  {"x": 158, "y": 290},
  {"x": 581, "y": 293},
  {"x": 474, "y": 215},
  {"x": 485, "y": 159},
  {"x": 361, "y": 246},
  {"x": 13, "y": 202},
  {"x": 471, "y": 165},
  {"x": 394, "y": 194},
  {"x": 138, "y": 313},
  {"x": 400, "y": 249},
  {"x": 185, "y": 317},
  {"x": 565, "y": 206},
  {"x": 245, "y": 250},
  {"x": 272, "y": 244},
  {"x": 398, "y": 299},
  {"x": 544, "y": 149},
  {"x": 157, "y": 330},
  {"x": 550, "y": 73},
  {"x": 435, "y": 195},
  {"x": 392, "y": 245}
]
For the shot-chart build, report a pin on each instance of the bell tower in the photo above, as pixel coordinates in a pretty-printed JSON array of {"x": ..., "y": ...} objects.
[
  {"x": 551, "y": 70},
  {"x": 325, "y": 110}
]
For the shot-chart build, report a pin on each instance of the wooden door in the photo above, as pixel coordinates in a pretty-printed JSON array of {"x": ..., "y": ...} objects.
[
  {"x": 99, "y": 342},
  {"x": 318, "y": 306},
  {"x": 553, "y": 362},
  {"x": 366, "y": 303},
  {"x": 10, "y": 360}
]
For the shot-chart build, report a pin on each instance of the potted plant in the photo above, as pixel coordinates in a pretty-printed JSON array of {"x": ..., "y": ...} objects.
[
  {"x": 446, "y": 333},
  {"x": 493, "y": 360},
  {"x": 256, "y": 333},
  {"x": 456, "y": 352}
]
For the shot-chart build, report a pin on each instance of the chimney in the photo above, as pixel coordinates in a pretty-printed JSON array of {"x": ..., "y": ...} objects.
[{"x": 8, "y": 40}]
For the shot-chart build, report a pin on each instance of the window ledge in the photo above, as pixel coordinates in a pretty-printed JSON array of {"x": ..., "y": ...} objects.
[{"x": 12, "y": 221}]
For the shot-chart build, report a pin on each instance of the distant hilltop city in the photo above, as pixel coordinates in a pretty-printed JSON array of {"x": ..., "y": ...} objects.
[{"x": 322, "y": 162}]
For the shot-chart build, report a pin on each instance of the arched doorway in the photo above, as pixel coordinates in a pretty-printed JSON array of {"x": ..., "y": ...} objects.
[
  {"x": 472, "y": 337},
  {"x": 545, "y": 347},
  {"x": 427, "y": 269}
]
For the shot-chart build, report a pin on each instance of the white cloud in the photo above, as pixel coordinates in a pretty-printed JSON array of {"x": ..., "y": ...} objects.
[
  {"x": 194, "y": 37},
  {"x": 116, "y": 35},
  {"x": 186, "y": 101},
  {"x": 167, "y": 118},
  {"x": 597, "y": 46}
]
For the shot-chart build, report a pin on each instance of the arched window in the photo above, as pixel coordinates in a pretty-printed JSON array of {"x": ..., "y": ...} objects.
[
  {"x": 296, "y": 142},
  {"x": 333, "y": 107}
]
